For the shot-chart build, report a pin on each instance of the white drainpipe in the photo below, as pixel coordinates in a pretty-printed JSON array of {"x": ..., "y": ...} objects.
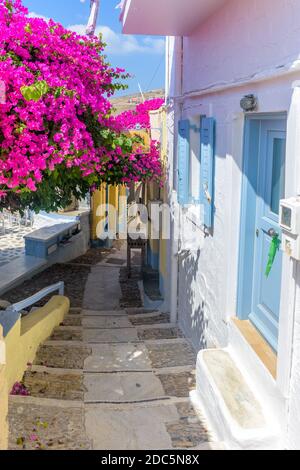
[
  {"x": 175, "y": 219},
  {"x": 174, "y": 259}
]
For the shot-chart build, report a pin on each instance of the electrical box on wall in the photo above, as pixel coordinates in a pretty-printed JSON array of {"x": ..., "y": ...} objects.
[{"x": 289, "y": 217}]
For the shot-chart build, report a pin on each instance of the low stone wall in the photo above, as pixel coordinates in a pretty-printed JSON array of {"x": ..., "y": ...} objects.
[
  {"x": 24, "y": 339},
  {"x": 3, "y": 396}
]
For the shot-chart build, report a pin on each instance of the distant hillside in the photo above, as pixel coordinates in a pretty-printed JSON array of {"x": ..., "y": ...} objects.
[{"x": 127, "y": 102}]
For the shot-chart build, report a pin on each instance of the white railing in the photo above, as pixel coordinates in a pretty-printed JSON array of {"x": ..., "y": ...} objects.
[
  {"x": 19, "y": 306},
  {"x": 11, "y": 315}
]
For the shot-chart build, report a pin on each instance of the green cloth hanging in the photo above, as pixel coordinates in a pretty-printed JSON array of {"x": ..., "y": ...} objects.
[{"x": 274, "y": 248}]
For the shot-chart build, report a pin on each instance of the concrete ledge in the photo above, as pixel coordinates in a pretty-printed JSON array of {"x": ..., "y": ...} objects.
[{"x": 24, "y": 339}]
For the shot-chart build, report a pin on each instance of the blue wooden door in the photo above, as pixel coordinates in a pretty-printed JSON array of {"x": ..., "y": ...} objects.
[{"x": 270, "y": 189}]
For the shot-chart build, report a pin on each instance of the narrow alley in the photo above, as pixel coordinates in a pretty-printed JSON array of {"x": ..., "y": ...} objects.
[{"x": 113, "y": 375}]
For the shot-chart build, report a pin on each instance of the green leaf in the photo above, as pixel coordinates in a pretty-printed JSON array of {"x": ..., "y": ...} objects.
[
  {"x": 36, "y": 91},
  {"x": 28, "y": 28}
]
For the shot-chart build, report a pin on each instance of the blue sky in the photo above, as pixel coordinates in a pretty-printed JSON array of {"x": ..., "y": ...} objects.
[{"x": 142, "y": 57}]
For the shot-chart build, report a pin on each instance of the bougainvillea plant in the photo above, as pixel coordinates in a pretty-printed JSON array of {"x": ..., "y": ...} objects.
[
  {"x": 146, "y": 166},
  {"x": 58, "y": 137}
]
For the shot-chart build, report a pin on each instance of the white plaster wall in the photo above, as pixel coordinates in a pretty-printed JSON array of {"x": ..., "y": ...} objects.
[
  {"x": 208, "y": 278},
  {"x": 242, "y": 39}
]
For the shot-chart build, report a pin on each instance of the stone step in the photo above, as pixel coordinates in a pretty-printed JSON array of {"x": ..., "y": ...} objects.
[
  {"x": 140, "y": 310},
  {"x": 235, "y": 411},
  {"x": 48, "y": 383},
  {"x": 177, "y": 384},
  {"x": 123, "y": 387},
  {"x": 72, "y": 320},
  {"x": 170, "y": 353},
  {"x": 115, "y": 335},
  {"x": 105, "y": 313},
  {"x": 75, "y": 311},
  {"x": 62, "y": 354},
  {"x": 149, "y": 319},
  {"x": 164, "y": 425},
  {"x": 118, "y": 357},
  {"x": 45, "y": 424},
  {"x": 159, "y": 332},
  {"x": 67, "y": 333},
  {"x": 106, "y": 322}
]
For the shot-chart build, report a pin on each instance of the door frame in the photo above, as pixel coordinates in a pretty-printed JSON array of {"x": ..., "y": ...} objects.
[
  {"x": 246, "y": 245},
  {"x": 248, "y": 207}
]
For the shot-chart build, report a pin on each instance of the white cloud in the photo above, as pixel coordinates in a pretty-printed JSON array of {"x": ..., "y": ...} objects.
[
  {"x": 32, "y": 14},
  {"x": 123, "y": 45},
  {"x": 118, "y": 43}
]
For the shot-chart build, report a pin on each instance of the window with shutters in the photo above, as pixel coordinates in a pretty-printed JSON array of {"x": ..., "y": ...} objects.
[
  {"x": 196, "y": 165},
  {"x": 194, "y": 161}
]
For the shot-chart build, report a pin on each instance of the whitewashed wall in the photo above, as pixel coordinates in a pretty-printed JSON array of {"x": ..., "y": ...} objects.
[{"x": 247, "y": 47}]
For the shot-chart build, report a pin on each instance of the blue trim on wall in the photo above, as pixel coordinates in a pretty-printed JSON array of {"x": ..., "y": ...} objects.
[{"x": 248, "y": 213}]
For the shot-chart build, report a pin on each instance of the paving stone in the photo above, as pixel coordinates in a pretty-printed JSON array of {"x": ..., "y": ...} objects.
[
  {"x": 159, "y": 333},
  {"x": 106, "y": 322},
  {"x": 36, "y": 425},
  {"x": 178, "y": 384},
  {"x": 102, "y": 290},
  {"x": 137, "y": 428},
  {"x": 122, "y": 387},
  {"x": 65, "y": 386},
  {"x": 117, "y": 357},
  {"x": 171, "y": 355},
  {"x": 67, "y": 333},
  {"x": 105, "y": 313},
  {"x": 110, "y": 335},
  {"x": 62, "y": 356}
]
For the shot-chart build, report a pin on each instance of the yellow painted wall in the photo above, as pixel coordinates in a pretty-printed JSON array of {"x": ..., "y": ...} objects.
[
  {"x": 3, "y": 396},
  {"x": 98, "y": 221},
  {"x": 24, "y": 339},
  {"x": 113, "y": 200},
  {"x": 100, "y": 198}
]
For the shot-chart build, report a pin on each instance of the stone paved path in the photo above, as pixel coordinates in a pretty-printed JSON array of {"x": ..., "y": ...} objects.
[{"x": 110, "y": 378}]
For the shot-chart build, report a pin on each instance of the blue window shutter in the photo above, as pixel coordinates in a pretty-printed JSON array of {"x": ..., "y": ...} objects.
[
  {"x": 183, "y": 161},
  {"x": 207, "y": 169}
]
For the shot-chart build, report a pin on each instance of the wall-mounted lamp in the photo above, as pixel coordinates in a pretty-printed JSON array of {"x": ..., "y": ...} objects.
[{"x": 249, "y": 103}]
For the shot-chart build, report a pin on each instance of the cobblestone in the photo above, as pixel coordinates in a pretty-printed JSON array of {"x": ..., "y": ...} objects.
[
  {"x": 171, "y": 355},
  {"x": 150, "y": 320},
  {"x": 72, "y": 320},
  {"x": 131, "y": 296},
  {"x": 74, "y": 277},
  {"x": 41, "y": 427},
  {"x": 159, "y": 333},
  {"x": 66, "y": 334},
  {"x": 65, "y": 357},
  {"x": 178, "y": 384},
  {"x": 188, "y": 431},
  {"x": 52, "y": 385}
]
